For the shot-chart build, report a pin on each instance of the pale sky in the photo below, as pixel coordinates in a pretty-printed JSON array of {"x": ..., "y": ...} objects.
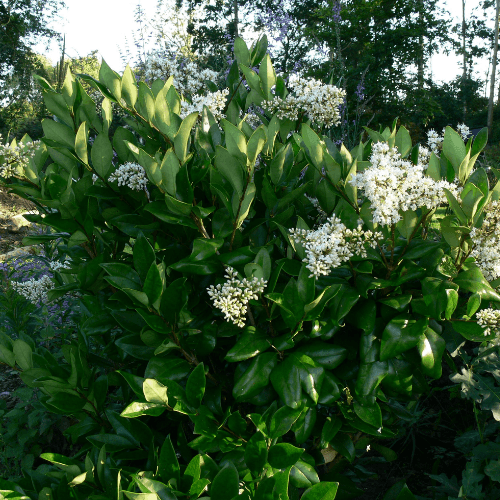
[{"x": 104, "y": 25}]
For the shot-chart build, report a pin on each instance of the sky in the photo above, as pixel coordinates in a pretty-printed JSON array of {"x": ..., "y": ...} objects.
[{"x": 105, "y": 25}]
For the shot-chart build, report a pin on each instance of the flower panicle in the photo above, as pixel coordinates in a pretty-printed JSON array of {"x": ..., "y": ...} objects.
[
  {"x": 332, "y": 243},
  {"x": 320, "y": 102},
  {"x": 394, "y": 185},
  {"x": 489, "y": 319},
  {"x": 233, "y": 296}
]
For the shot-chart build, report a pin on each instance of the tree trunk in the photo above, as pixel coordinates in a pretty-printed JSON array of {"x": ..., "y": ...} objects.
[
  {"x": 464, "y": 74},
  {"x": 493, "y": 70},
  {"x": 420, "y": 70},
  {"x": 236, "y": 20}
]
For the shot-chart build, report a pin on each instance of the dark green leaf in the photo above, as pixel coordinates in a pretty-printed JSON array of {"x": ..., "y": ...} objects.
[
  {"x": 283, "y": 455},
  {"x": 256, "y": 453},
  {"x": 168, "y": 465},
  {"x": 321, "y": 491},
  {"x": 401, "y": 334},
  {"x": 195, "y": 387},
  {"x": 282, "y": 421},
  {"x": 251, "y": 343},
  {"x": 225, "y": 485},
  {"x": 255, "y": 377}
]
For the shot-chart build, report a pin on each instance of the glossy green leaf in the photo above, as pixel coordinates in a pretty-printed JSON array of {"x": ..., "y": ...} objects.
[
  {"x": 183, "y": 135},
  {"x": 369, "y": 377},
  {"x": 195, "y": 387},
  {"x": 154, "y": 391},
  {"x": 168, "y": 465},
  {"x": 454, "y": 148},
  {"x": 473, "y": 281},
  {"x": 282, "y": 421},
  {"x": 129, "y": 90},
  {"x": 256, "y": 453},
  {"x": 283, "y": 455},
  {"x": 251, "y": 343},
  {"x": 230, "y": 168},
  {"x": 330, "y": 429},
  {"x": 139, "y": 408},
  {"x": 225, "y": 485},
  {"x": 327, "y": 355},
  {"x": 101, "y": 155},
  {"x": 241, "y": 52},
  {"x": 255, "y": 377},
  {"x": 23, "y": 354},
  {"x": 401, "y": 334},
  {"x": 303, "y": 475},
  {"x": 153, "y": 285},
  {"x": 343, "y": 444},
  {"x": 431, "y": 348},
  {"x": 369, "y": 413},
  {"x": 322, "y": 491},
  {"x": 286, "y": 382}
]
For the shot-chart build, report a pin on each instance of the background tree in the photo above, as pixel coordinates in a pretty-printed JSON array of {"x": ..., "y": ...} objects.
[
  {"x": 23, "y": 24},
  {"x": 494, "y": 68}
]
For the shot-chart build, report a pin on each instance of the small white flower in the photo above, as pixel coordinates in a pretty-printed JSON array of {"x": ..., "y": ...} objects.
[
  {"x": 486, "y": 240},
  {"x": 368, "y": 448},
  {"x": 379, "y": 430},
  {"x": 232, "y": 297},
  {"x": 131, "y": 175},
  {"x": 463, "y": 130},
  {"x": 35, "y": 290},
  {"x": 187, "y": 75},
  {"x": 15, "y": 158},
  {"x": 393, "y": 185},
  {"x": 320, "y": 102},
  {"x": 489, "y": 319},
  {"x": 214, "y": 101},
  {"x": 435, "y": 141},
  {"x": 55, "y": 265},
  {"x": 331, "y": 244}
]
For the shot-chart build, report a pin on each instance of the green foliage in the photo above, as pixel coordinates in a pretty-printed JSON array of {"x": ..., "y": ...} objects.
[{"x": 169, "y": 395}]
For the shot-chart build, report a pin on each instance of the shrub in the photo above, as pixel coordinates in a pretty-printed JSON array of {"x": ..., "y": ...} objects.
[{"x": 257, "y": 303}]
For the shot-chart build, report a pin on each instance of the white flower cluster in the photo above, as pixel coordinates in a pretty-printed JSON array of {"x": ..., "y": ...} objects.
[
  {"x": 435, "y": 141},
  {"x": 188, "y": 77},
  {"x": 424, "y": 155},
  {"x": 320, "y": 102},
  {"x": 214, "y": 101},
  {"x": 253, "y": 120},
  {"x": 489, "y": 319},
  {"x": 487, "y": 242},
  {"x": 55, "y": 265},
  {"x": 331, "y": 244},
  {"x": 131, "y": 175},
  {"x": 463, "y": 130},
  {"x": 393, "y": 185},
  {"x": 233, "y": 296},
  {"x": 14, "y": 157},
  {"x": 35, "y": 290}
]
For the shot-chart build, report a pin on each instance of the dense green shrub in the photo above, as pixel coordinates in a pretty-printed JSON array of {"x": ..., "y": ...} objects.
[{"x": 225, "y": 348}]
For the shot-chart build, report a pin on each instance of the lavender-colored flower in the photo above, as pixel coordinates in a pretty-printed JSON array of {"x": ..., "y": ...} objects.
[
  {"x": 337, "y": 7},
  {"x": 360, "y": 91}
]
